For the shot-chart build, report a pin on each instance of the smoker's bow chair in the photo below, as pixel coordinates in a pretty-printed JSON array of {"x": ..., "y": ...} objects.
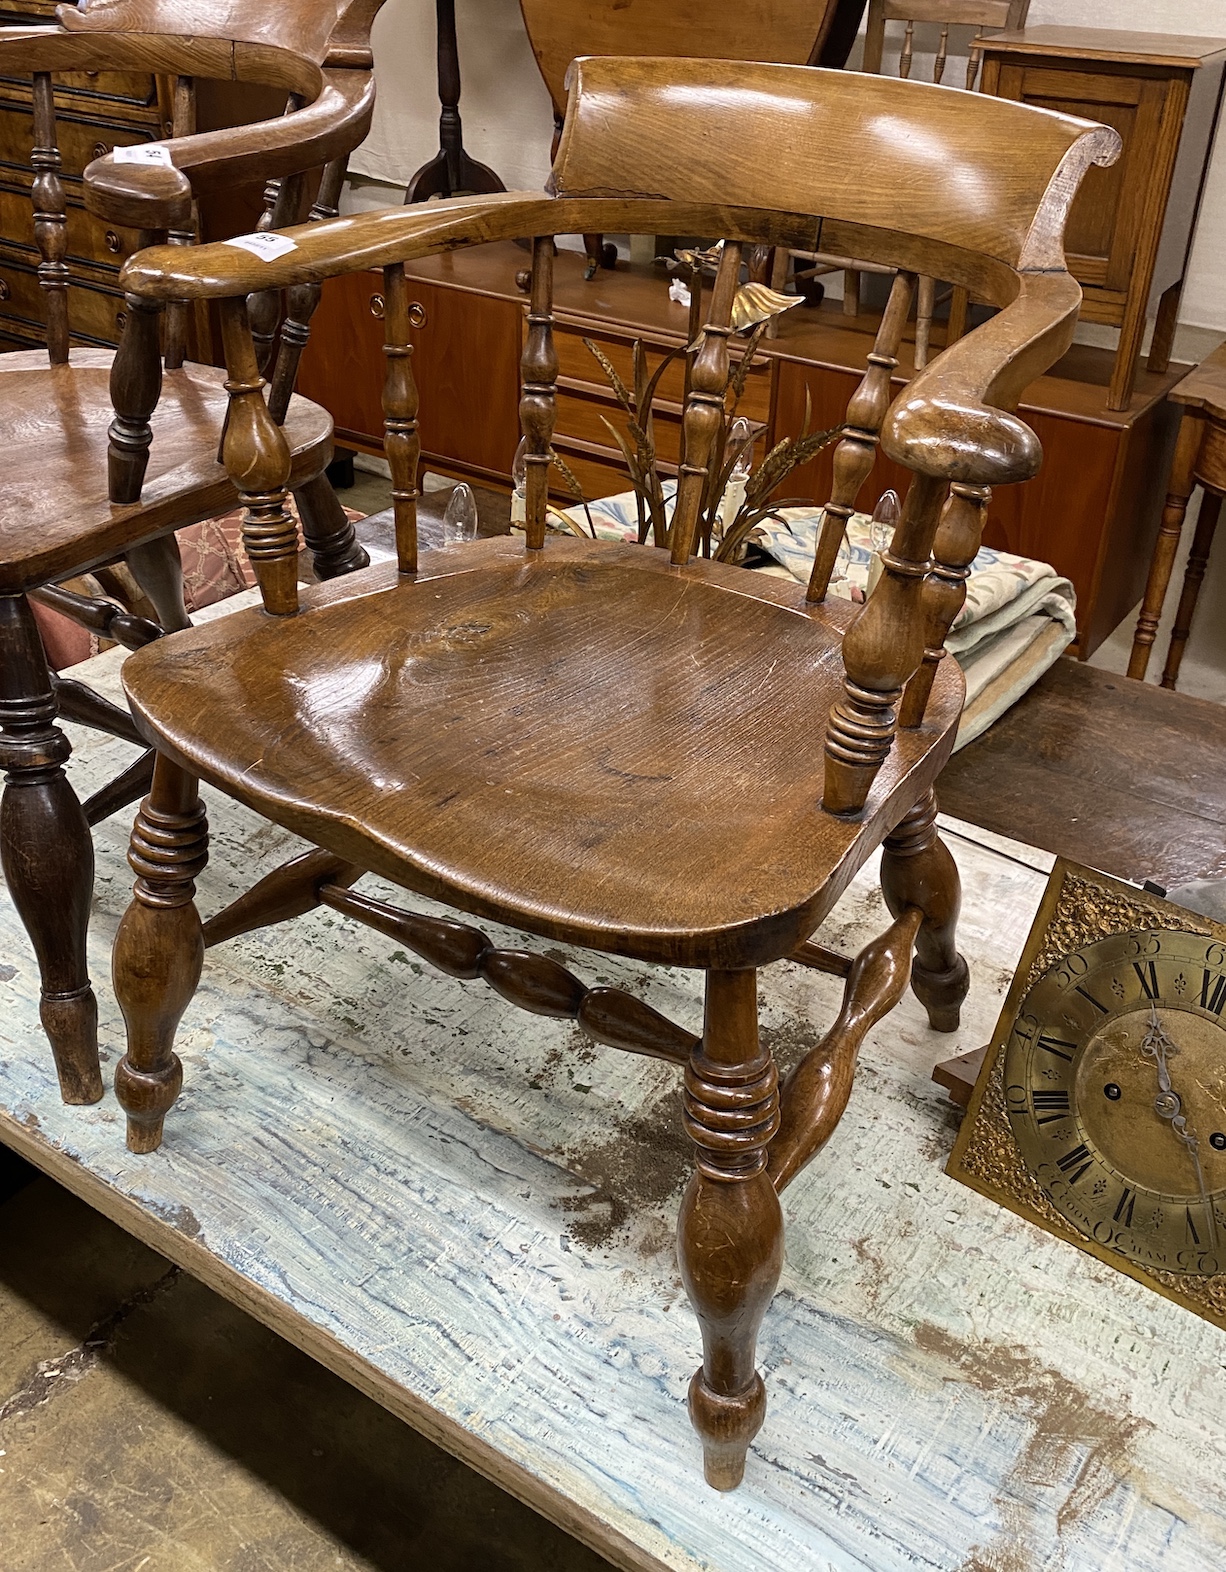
[
  {"x": 109, "y": 456},
  {"x": 451, "y": 723}
]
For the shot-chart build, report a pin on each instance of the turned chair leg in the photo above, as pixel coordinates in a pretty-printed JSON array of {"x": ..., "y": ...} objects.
[
  {"x": 327, "y": 530},
  {"x": 730, "y": 1235},
  {"x": 47, "y": 852},
  {"x": 917, "y": 870},
  {"x": 159, "y": 949}
]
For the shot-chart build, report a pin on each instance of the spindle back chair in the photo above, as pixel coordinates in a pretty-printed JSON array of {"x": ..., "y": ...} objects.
[
  {"x": 119, "y": 449},
  {"x": 942, "y": 14},
  {"x": 454, "y": 724}
]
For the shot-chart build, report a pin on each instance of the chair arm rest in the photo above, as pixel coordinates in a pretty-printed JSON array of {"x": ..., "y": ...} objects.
[
  {"x": 151, "y": 196},
  {"x": 954, "y": 420},
  {"x": 400, "y": 234}
]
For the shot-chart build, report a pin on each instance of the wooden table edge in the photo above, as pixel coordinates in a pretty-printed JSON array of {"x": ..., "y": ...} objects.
[{"x": 182, "y": 1250}]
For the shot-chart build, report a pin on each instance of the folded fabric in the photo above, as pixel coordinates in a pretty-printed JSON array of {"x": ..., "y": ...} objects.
[{"x": 1018, "y": 619}]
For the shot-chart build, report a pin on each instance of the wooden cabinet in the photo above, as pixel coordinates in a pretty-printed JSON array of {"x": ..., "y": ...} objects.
[
  {"x": 95, "y": 112},
  {"x": 1092, "y": 511},
  {"x": 1131, "y": 226}
]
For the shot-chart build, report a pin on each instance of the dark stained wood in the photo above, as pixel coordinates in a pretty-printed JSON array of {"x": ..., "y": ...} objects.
[
  {"x": 1200, "y": 459},
  {"x": 47, "y": 852},
  {"x": 1112, "y": 773},
  {"x": 80, "y": 495},
  {"x": 452, "y": 171},
  {"x": 612, "y": 745}
]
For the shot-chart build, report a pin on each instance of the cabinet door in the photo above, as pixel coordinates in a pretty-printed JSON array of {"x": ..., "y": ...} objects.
[
  {"x": 465, "y": 361},
  {"x": 1112, "y": 211}
]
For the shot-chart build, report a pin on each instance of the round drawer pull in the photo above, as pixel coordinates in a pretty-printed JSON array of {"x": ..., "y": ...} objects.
[
  {"x": 377, "y": 304},
  {"x": 113, "y": 242},
  {"x": 121, "y": 320},
  {"x": 5, "y": 291},
  {"x": 417, "y": 314},
  {"x": 101, "y": 150}
]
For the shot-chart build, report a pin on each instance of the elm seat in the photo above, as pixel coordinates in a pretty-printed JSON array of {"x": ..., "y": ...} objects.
[
  {"x": 55, "y": 517},
  {"x": 538, "y": 740}
]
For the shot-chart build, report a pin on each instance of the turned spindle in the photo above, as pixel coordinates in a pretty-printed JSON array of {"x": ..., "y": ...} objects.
[{"x": 538, "y": 401}]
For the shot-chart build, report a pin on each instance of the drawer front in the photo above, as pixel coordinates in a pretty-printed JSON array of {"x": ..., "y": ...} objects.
[
  {"x": 576, "y": 363},
  {"x": 599, "y": 473},
  {"x": 95, "y": 313},
  {"x": 90, "y": 240},
  {"x": 86, "y": 92},
  {"x": 583, "y": 419},
  {"x": 80, "y": 141}
]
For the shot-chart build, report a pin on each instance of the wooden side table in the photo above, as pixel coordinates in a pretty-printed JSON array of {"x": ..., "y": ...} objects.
[
  {"x": 1131, "y": 227},
  {"x": 1200, "y": 460}
]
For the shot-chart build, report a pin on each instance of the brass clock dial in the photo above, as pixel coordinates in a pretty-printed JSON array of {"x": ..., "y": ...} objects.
[{"x": 1115, "y": 1089}]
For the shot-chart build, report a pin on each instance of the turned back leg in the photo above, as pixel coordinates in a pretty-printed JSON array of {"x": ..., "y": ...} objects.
[
  {"x": 47, "y": 851},
  {"x": 917, "y": 870},
  {"x": 730, "y": 1240},
  {"x": 159, "y": 949}
]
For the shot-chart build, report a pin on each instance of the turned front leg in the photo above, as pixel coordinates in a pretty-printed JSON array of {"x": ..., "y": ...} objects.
[
  {"x": 730, "y": 1237},
  {"x": 918, "y": 870},
  {"x": 47, "y": 852},
  {"x": 159, "y": 949}
]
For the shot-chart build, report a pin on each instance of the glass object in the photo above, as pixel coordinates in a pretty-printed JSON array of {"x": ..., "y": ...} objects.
[
  {"x": 519, "y": 484},
  {"x": 842, "y": 563},
  {"x": 885, "y": 521},
  {"x": 460, "y": 519},
  {"x": 741, "y": 436}
]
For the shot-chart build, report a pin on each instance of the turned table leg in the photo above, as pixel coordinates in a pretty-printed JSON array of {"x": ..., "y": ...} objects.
[
  {"x": 730, "y": 1235},
  {"x": 917, "y": 870},
  {"x": 47, "y": 852},
  {"x": 159, "y": 949},
  {"x": 1182, "y": 484},
  {"x": 1198, "y": 561}
]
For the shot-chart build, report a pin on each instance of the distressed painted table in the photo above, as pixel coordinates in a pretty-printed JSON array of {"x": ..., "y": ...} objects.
[{"x": 469, "y": 1215}]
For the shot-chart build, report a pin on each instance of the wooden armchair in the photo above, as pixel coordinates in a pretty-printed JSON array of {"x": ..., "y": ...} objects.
[
  {"x": 448, "y": 722},
  {"x": 108, "y": 456}
]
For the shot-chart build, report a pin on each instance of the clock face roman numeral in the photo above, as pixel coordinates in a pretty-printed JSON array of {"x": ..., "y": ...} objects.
[
  {"x": 1123, "y": 1209},
  {"x": 1090, "y": 997},
  {"x": 1213, "y": 993},
  {"x": 1056, "y": 1046},
  {"x": 1070, "y": 1160},
  {"x": 1192, "y": 1236},
  {"x": 1050, "y": 1106},
  {"x": 1147, "y": 976}
]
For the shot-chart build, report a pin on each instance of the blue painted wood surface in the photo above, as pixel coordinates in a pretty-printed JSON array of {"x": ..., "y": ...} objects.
[{"x": 469, "y": 1211}]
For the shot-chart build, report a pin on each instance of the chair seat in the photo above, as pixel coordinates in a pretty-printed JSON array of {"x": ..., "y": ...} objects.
[
  {"x": 55, "y": 518},
  {"x": 584, "y": 742}
]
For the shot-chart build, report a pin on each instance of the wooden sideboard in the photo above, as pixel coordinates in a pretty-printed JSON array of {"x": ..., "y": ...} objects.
[
  {"x": 95, "y": 112},
  {"x": 1131, "y": 225},
  {"x": 1092, "y": 512}
]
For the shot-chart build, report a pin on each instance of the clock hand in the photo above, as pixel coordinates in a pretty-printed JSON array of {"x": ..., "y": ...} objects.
[{"x": 1167, "y": 1105}]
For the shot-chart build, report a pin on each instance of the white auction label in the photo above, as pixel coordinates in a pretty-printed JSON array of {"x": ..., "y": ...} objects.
[
  {"x": 269, "y": 246},
  {"x": 143, "y": 153}
]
